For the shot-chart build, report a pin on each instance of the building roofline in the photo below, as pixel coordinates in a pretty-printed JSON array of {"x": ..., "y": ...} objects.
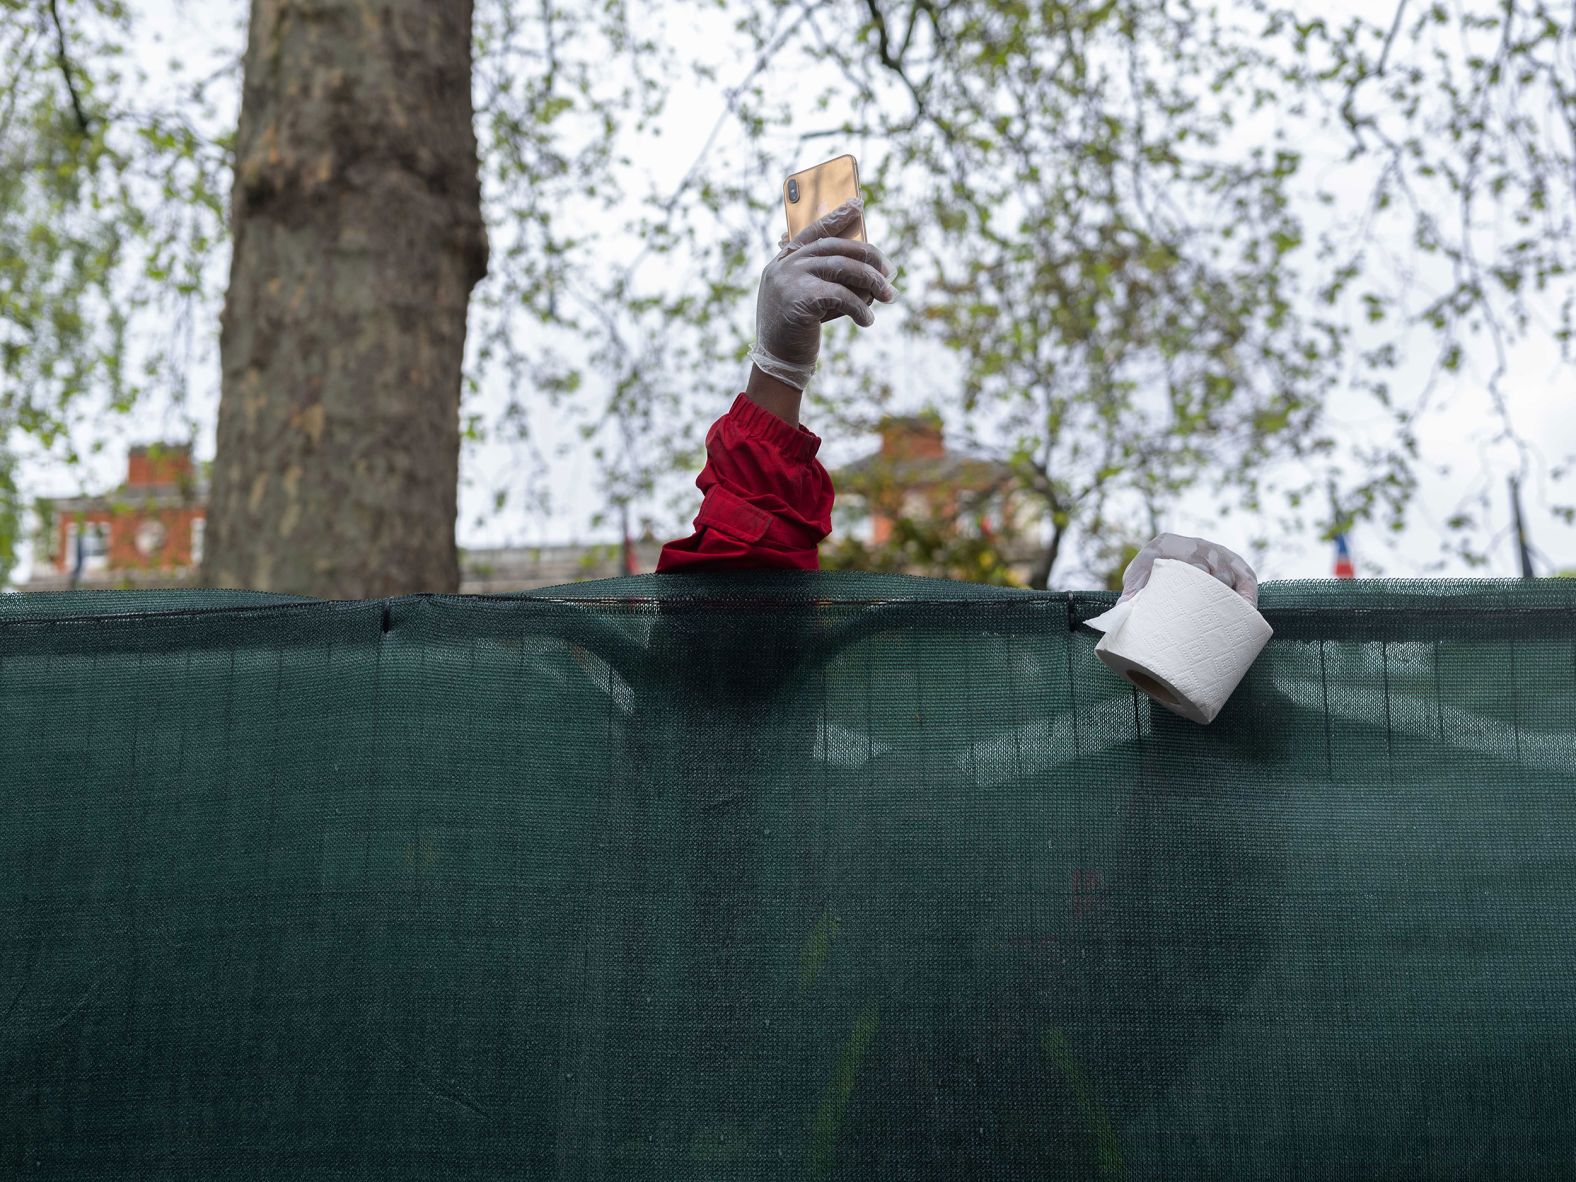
[
  {"x": 153, "y": 496},
  {"x": 876, "y": 468}
]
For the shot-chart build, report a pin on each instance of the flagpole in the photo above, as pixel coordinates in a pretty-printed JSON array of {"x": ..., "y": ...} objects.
[
  {"x": 630, "y": 565},
  {"x": 1344, "y": 568},
  {"x": 1521, "y": 529}
]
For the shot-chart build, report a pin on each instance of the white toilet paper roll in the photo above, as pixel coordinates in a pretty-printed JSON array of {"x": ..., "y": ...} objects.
[{"x": 1186, "y": 639}]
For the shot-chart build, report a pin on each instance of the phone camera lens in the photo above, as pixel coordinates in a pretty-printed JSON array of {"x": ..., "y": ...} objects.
[{"x": 793, "y": 190}]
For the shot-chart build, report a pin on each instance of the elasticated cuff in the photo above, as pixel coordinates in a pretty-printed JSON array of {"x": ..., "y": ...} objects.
[
  {"x": 797, "y": 443},
  {"x": 797, "y": 376}
]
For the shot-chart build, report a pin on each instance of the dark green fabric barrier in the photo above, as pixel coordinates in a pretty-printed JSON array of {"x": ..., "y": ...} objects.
[{"x": 842, "y": 877}]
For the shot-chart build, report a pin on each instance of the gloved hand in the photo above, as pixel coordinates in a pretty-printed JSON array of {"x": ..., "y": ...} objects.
[
  {"x": 816, "y": 277},
  {"x": 1210, "y": 557}
]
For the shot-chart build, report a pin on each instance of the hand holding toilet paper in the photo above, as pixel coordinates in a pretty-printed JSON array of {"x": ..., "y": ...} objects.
[
  {"x": 1226, "y": 565},
  {"x": 1187, "y": 627}
]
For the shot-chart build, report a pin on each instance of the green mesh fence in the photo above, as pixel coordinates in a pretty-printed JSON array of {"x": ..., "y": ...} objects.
[{"x": 786, "y": 877}]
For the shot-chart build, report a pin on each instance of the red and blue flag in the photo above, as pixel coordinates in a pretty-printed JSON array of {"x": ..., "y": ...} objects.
[{"x": 1343, "y": 559}]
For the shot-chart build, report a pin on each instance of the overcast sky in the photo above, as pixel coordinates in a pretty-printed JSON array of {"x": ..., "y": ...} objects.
[{"x": 1455, "y": 432}]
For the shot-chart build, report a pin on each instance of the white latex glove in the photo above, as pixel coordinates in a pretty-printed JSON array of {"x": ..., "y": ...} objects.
[
  {"x": 816, "y": 277},
  {"x": 1210, "y": 557}
]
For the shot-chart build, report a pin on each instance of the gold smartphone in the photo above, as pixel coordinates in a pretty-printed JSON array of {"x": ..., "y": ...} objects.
[{"x": 815, "y": 191}]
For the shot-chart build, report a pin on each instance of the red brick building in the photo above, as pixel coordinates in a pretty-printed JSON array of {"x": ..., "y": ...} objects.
[
  {"x": 147, "y": 533},
  {"x": 913, "y": 478},
  {"x": 914, "y": 475}
]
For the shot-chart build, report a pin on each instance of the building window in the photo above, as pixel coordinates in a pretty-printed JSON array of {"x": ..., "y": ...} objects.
[
  {"x": 94, "y": 556},
  {"x": 852, "y": 521},
  {"x": 198, "y": 524},
  {"x": 150, "y": 538}
]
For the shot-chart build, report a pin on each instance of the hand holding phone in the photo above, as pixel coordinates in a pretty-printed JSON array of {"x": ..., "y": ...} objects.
[
  {"x": 814, "y": 192},
  {"x": 821, "y": 274}
]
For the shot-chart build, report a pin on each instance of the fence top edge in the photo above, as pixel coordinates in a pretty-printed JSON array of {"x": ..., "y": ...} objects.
[{"x": 1291, "y": 601}]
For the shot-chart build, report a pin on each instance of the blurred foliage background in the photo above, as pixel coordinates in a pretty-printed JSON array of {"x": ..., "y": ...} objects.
[{"x": 1144, "y": 244}]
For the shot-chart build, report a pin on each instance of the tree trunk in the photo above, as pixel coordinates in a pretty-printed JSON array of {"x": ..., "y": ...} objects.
[
  {"x": 1045, "y": 562},
  {"x": 356, "y": 218}
]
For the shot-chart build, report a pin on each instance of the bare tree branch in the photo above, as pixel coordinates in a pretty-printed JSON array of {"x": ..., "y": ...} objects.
[
  {"x": 1389, "y": 40},
  {"x": 894, "y": 64},
  {"x": 64, "y": 61}
]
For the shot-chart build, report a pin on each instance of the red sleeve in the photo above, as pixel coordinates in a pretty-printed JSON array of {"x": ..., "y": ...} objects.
[{"x": 767, "y": 500}]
